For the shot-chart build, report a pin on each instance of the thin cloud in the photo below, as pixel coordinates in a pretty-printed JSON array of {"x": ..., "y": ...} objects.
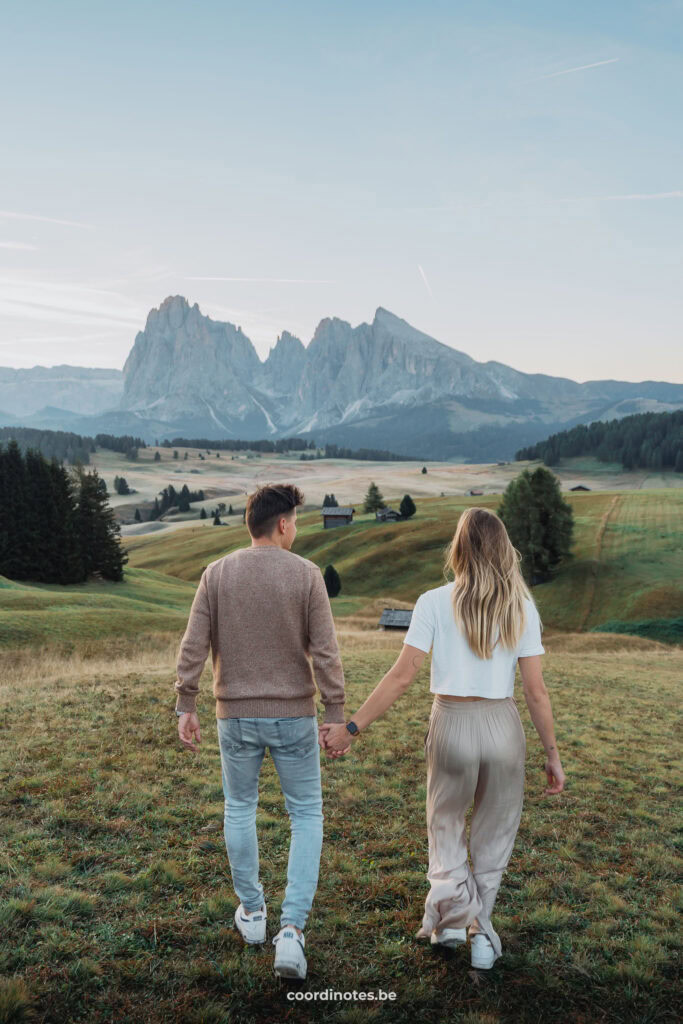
[
  {"x": 678, "y": 194},
  {"x": 581, "y": 67},
  {"x": 265, "y": 280},
  {"x": 424, "y": 278},
  {"x": 13, "y": 215},
  {"x": 17, "y": 245}
]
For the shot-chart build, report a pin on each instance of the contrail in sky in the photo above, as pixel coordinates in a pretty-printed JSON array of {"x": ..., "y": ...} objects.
[
  {"x": 424, "y": 278},
  {"x": 263, "y": 280},
  {"x": 46, "y": 220},
  {"x": 582, "y": 67}
]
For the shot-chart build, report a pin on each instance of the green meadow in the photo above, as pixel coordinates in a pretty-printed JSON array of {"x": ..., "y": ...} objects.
[{"x": 115, "y": 896}]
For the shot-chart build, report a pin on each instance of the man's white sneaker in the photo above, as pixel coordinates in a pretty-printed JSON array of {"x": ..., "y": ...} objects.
[
  {"x": 290, "y": 961},
  {"x": 482, "y": 951},
  {"x": 451, "y": 937},
  {"x": 251, "y": 925}
]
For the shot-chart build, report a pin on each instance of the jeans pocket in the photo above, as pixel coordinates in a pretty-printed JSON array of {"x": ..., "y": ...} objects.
[
  {"x": 230, "y": 735},
  {"x": 297, "y": 736}
]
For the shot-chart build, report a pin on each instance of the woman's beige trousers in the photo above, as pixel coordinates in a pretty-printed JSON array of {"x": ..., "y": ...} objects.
[{"x": 475, "y": 751}]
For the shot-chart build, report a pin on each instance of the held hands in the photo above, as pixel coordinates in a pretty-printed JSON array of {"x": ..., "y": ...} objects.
[{"x": 335, "y": 739}]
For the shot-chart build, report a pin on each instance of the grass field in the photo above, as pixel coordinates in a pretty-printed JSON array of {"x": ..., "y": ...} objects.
[
  {"x": 115, "y": 896},
  {"x": 627, "y": 565}
]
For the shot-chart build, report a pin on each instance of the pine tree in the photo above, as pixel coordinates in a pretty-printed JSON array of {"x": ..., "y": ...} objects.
[
  {"x": 15, "y": 553},
  {"x": 230, "y": 511},
  {"x": 373, "y": 499},
  {"x": 217, "y": 520},
  {"x": 424, "y": 469},
  {"x": 332, "y": 581},
  {"x": 407, "y": 507},
  {"x": 98, "y": 531},
  {"x": 185, "y": 456},
  {"x": 138, "y": 517},
  {"x": 157, "y": 457},
  {"x": 175, "y": 453},
  {"x": 678, "y": 465},
  {"x": 202, "y": 513},
  {"x": 184, "y": 499},
  {"x": 539, "y": 522}
]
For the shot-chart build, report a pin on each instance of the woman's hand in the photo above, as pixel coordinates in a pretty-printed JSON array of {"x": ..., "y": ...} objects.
[
  {"x": 336, "y": 738},
  {"x": 555, "y": 775}
]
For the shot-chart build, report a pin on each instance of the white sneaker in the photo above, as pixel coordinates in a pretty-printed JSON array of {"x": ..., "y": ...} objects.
[
  {"x": 252, "y": 926},
  {"x": 290, "y": 961},
  {"x": 482, "y": 951},
  {"x": 451, "y": 937}
]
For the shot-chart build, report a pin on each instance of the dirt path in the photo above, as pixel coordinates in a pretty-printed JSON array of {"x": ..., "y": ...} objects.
[{"x": 593, "y": 581}]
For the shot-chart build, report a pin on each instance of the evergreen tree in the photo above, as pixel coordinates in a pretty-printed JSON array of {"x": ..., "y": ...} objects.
[
  {"x": 230, "y": 511},
  {"x": 332, "y": 581},
  {"x": 539, "y": 522},
  {"x": 202, "y": 514},
  {"x": 424, "y": 469},
  {"x": 157, "y": 457},
  {"x": 15, "y": 553},
  {"x": 373, "y": 499},
  {"x": 138, "y": 517},
  {"x": 97, "y": 529},
  {"x": 175, "y": 453},
  {"x": 407, "y": 507},
  {"x": 184, "y": 499},
  {"x": 121, "y": 485},
  {"x": 217, "y": 520},
  {"x": 185, "y": 456},
  {"x": 678, "y": 465}
]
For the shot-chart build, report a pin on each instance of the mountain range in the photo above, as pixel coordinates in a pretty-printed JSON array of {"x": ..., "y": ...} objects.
[{"x": 379, "y": 385}]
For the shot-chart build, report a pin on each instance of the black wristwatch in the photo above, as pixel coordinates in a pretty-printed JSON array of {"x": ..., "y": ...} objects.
[{"x": 352, "y": 728}]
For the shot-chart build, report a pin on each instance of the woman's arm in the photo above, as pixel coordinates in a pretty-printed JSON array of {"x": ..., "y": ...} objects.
[
  {"x": 388, "y": 690},
  {"x": 538, "y": 703}
]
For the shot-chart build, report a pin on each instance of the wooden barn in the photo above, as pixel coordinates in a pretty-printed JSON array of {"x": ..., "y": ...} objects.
[
  {"x": 337, "y": 515},
  {"x": 580, "y": 487},
  {"x": 475, "y": 493},
  {"x": 395, "y": 618},
  {"x": 387, "y": 515}
]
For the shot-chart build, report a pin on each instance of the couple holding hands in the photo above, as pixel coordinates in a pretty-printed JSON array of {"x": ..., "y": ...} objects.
[{"x": 264, "y": 614}]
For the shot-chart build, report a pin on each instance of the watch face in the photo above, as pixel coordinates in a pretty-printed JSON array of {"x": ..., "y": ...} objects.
[{"x": 352, "y": 728}]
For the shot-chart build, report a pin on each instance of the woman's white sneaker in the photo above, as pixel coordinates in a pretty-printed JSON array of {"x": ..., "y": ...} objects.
[
  {"x": 451, "y": 937},
  {"x": 482, "y": 952},
  {"x": 251, "y": 925},
  {"x": 290, "y": 961}
]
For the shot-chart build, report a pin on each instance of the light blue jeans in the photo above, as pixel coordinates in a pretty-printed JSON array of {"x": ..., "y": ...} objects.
[{"x": 293, "y": 744}]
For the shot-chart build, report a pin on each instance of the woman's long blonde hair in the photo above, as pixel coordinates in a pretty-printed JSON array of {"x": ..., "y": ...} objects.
[{"x": 489, "y": 591}]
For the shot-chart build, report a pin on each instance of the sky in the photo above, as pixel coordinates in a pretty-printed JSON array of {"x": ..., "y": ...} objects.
[{"x": 506, "y": 177}]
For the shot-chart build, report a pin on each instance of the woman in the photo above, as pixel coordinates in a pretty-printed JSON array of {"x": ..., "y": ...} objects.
[{"x": 478, "y": 628}]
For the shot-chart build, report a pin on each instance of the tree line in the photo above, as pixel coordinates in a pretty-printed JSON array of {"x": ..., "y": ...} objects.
[
  {"x": 646, "y": 440},
  {"x": 59, "y": 444},
  {"x": 56, "y": 525}
]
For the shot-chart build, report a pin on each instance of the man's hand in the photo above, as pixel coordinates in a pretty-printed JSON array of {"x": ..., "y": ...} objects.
[
  {"x": 188, "y": 725},
  {"x": 336, "y": 739}
]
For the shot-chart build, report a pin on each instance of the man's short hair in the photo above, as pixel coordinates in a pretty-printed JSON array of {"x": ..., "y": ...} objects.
[{"x": 266, "y": 505}]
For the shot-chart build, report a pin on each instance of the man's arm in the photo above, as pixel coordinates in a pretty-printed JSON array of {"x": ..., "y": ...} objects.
[
  {"x": 194, "y": 649},
  {"x": 324, "y": 651}
]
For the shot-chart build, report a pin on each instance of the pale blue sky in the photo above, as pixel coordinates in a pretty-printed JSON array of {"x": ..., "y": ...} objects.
[{"x": 508, "y": 177}]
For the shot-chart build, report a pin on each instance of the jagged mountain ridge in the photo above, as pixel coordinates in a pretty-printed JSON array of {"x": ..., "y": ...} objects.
[{"x": 384, "y": 384}]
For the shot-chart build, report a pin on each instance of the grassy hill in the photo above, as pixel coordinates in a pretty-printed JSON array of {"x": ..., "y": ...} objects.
[{"x": 627, "y": 564}]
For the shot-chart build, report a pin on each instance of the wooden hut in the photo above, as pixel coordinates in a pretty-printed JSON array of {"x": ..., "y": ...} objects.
[
  {"x": 395, "y": 618},
  {"x": 336, "y": 515},
  {"x": 387, "y": 515}
]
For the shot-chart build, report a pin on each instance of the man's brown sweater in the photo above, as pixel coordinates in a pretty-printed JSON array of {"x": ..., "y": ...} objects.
[{"x": 265, "y": 614}]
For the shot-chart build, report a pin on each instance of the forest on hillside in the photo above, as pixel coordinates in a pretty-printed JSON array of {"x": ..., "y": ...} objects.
[{"x": 646, "y": 440}]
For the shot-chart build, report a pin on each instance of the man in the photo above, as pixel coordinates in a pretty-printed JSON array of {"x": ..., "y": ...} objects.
[{"x": 265, "y": 613}]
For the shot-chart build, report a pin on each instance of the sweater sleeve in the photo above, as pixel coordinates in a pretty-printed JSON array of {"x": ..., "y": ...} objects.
[
  {"x": 324, "y": 651},
  {"x": 194, "y": 649}
]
